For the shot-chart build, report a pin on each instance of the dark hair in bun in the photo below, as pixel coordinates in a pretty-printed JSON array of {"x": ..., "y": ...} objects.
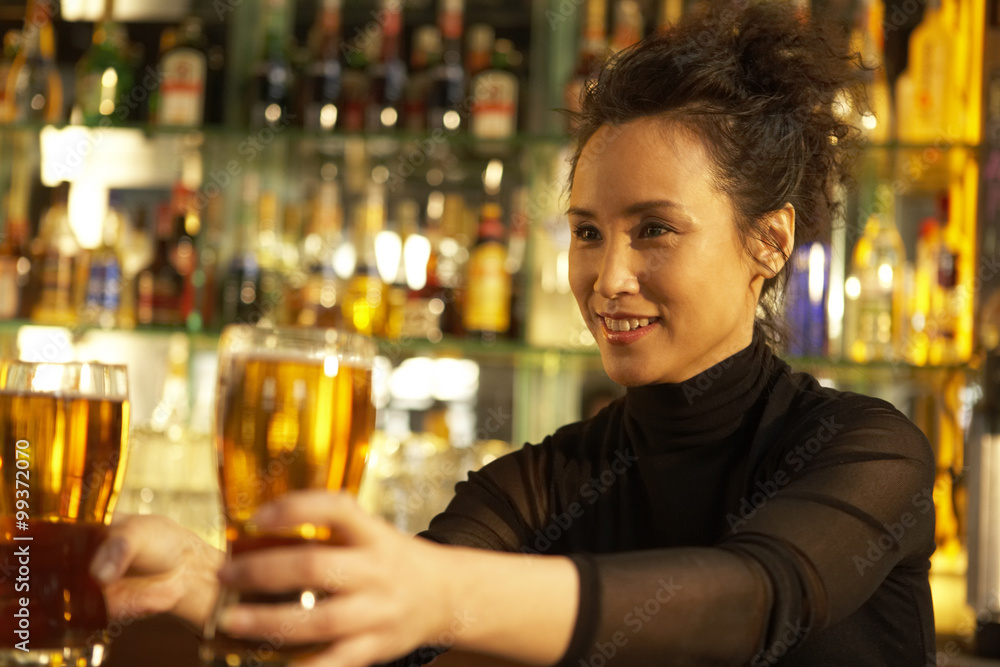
[{"x": 758, "y": 83}]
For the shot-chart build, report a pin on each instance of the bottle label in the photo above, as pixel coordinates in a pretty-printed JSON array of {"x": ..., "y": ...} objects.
[
  {"x": 182, "y": 93},
  {"x": 494, "y": 110},
  {"x": 9, "y": 292},
  {"x": 487, "y": 306}
]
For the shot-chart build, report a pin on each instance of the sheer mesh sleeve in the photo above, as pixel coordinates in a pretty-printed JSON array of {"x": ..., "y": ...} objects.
[{"x": 846, "y": 504}]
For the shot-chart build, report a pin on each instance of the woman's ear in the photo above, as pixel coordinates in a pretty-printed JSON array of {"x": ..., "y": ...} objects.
[{"x": 774, "y": 246}]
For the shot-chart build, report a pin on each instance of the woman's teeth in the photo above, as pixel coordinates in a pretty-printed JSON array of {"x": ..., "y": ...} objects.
[{"x": 625, "y": 325}]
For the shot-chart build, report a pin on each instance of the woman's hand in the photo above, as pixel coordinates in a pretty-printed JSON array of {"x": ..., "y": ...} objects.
[
  {"x": 387, "y": 591},
  {"x": 149, "y": 565}
]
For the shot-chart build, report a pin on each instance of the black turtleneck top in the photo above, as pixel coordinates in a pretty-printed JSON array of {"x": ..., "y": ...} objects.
[{"x": 747, "y": 516}]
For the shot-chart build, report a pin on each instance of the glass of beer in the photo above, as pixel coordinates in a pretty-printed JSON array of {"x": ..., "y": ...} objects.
[
  {"x": 294, "y": 411},
  {"x": 63, "y": 434}
]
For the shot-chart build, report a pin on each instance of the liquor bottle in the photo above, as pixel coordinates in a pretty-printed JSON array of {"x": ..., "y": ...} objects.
[
  {"x": 61, "y": 263},
  {"x": 451, "y": 257},
  {"x": 20, "y": 277},
  {"x": 273, "y": 75},
  {"x": 922, "y": 317},
  {"x": 486, "y": 311},
  {"x": 183, "y": 75},
  {"x": 33, "y": 87},
  {"x": 669, "y": 13},
  {"x": 11, "y": 47},
  {"x": 388, "y": 74},
  {"x": 806, "y": 300},
  {"x": 628, "y": 25},
  {"x": 159, "y": 286},
  {"x": 106, "y": 282},
  {"x": 184, "y": 256},
  {"x": 239, "y": 285},
  {"x": 494, "y": 95},
  {"x": 321, "y": 85},
  {"x": 424, "y": 59},
  {"x": 364, "y": 305},
  {"x": 104, "y": 75},
  {"x": 878, "y": 266},
  {"x": 397, "y": 289},
  {"x": 517, "y": 246},
  {"x": 323, "y": 288},
  {"x": 444, "y": 110},
  {"x": 425, "y": 304},
  {"x": 478, "y": 50},
  {"x": 868, "y": 39},
  {"x": 930, "y": 48},
  {"x": 593, "y": 50},
  {"x": 355, "y": 90}
]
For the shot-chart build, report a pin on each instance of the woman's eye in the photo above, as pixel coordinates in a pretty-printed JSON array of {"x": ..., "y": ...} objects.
[
  {"x": 585, "y": 232},
  {"x": 654, "y": 229}
]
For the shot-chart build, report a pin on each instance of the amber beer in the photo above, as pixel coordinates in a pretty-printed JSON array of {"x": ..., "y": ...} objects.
[
  {"x": 294, "y": 412},
  {"x": 62, "y": 433},
  {"x": 290, "y": 423}
]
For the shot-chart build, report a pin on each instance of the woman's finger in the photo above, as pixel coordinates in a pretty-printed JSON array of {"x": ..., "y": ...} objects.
[
  {"x": 337, "y": 510},
  {"x": 329, "y": 620},
  {"x": 145, "y": 545},
  {"x": 312, "y": 566},
  {"x": 357, "y": 652}
]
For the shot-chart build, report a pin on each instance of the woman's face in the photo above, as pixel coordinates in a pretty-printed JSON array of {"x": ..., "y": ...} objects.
[{"x": 655, "y": 262}]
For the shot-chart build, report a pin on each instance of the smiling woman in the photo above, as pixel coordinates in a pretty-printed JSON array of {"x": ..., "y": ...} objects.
[{"x": 724, "y": 511}]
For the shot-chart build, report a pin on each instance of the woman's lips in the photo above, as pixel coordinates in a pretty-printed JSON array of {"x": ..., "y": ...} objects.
[{"x": 625, "y": 330}]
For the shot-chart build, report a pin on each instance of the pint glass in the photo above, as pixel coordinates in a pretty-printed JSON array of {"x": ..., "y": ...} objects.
[
  {"x": 63, "y": 432},
  {"x": 294, "y": 411}
]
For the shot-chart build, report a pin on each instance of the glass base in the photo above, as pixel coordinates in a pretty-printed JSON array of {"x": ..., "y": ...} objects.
[{"x": 86, "y": 656}]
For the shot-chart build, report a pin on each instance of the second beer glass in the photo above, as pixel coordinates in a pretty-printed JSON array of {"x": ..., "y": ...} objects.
[{"x": 294, "y": 412}]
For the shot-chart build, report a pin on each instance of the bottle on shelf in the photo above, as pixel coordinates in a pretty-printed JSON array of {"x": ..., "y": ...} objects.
[
  {"x": 273, "y": 75},
  {"x": 592, "y": 52},
  {"x": 398, "y": 289},
  {"x": 355, "y": 88},
  {"x": 922, "y": 311},
  {"x": 426, "y": 302},
  {"x": 270, "y": 303},
  {"x": 106, "y": 283},
  {"x": 160, "y": 285},
  {"x": 364, "y": 305},
  {"x": 867, "y": 39},
  {"x": 875, "y": 288},
  {"x": 486, "y": 311},
  {"x": 33, "y": 90},
  {"x": 424, "y": 59},
  {"x": 183, "y": 76},
  {"x": 930, "y": 51},
  {"x": 494, "y": 94},
  {"x": 11, "y": 47},
  {"x": 806, "y": 300},
  {"x": 628, "y": 25},
  {"x": 444, "y": 109},
  {"x": 669, "y": 12},
  {"x": 321, "y": 85},
  {"x": 239, "y": 285},
  {"x": 388, "y": 73},
  {"x": 323, "y": 287},
  {"x": 104, "y": 74},
  {"x": 61, "y": 263},
  {"x": 19, "y": 271},
  {"x": 451, "y": 256},
  {"x": 479, "y": 41},
  {"x": 184, "y": 256}
]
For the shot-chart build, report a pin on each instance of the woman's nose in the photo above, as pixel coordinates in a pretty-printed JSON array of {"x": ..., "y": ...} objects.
[{"x": 618, "y": 272}]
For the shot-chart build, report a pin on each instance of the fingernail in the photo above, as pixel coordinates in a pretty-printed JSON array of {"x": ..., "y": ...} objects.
[{"x": 108, "y": 561}]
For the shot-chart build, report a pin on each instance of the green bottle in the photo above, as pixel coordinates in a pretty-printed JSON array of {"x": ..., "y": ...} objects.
[{"x": 104, "y": 81}]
